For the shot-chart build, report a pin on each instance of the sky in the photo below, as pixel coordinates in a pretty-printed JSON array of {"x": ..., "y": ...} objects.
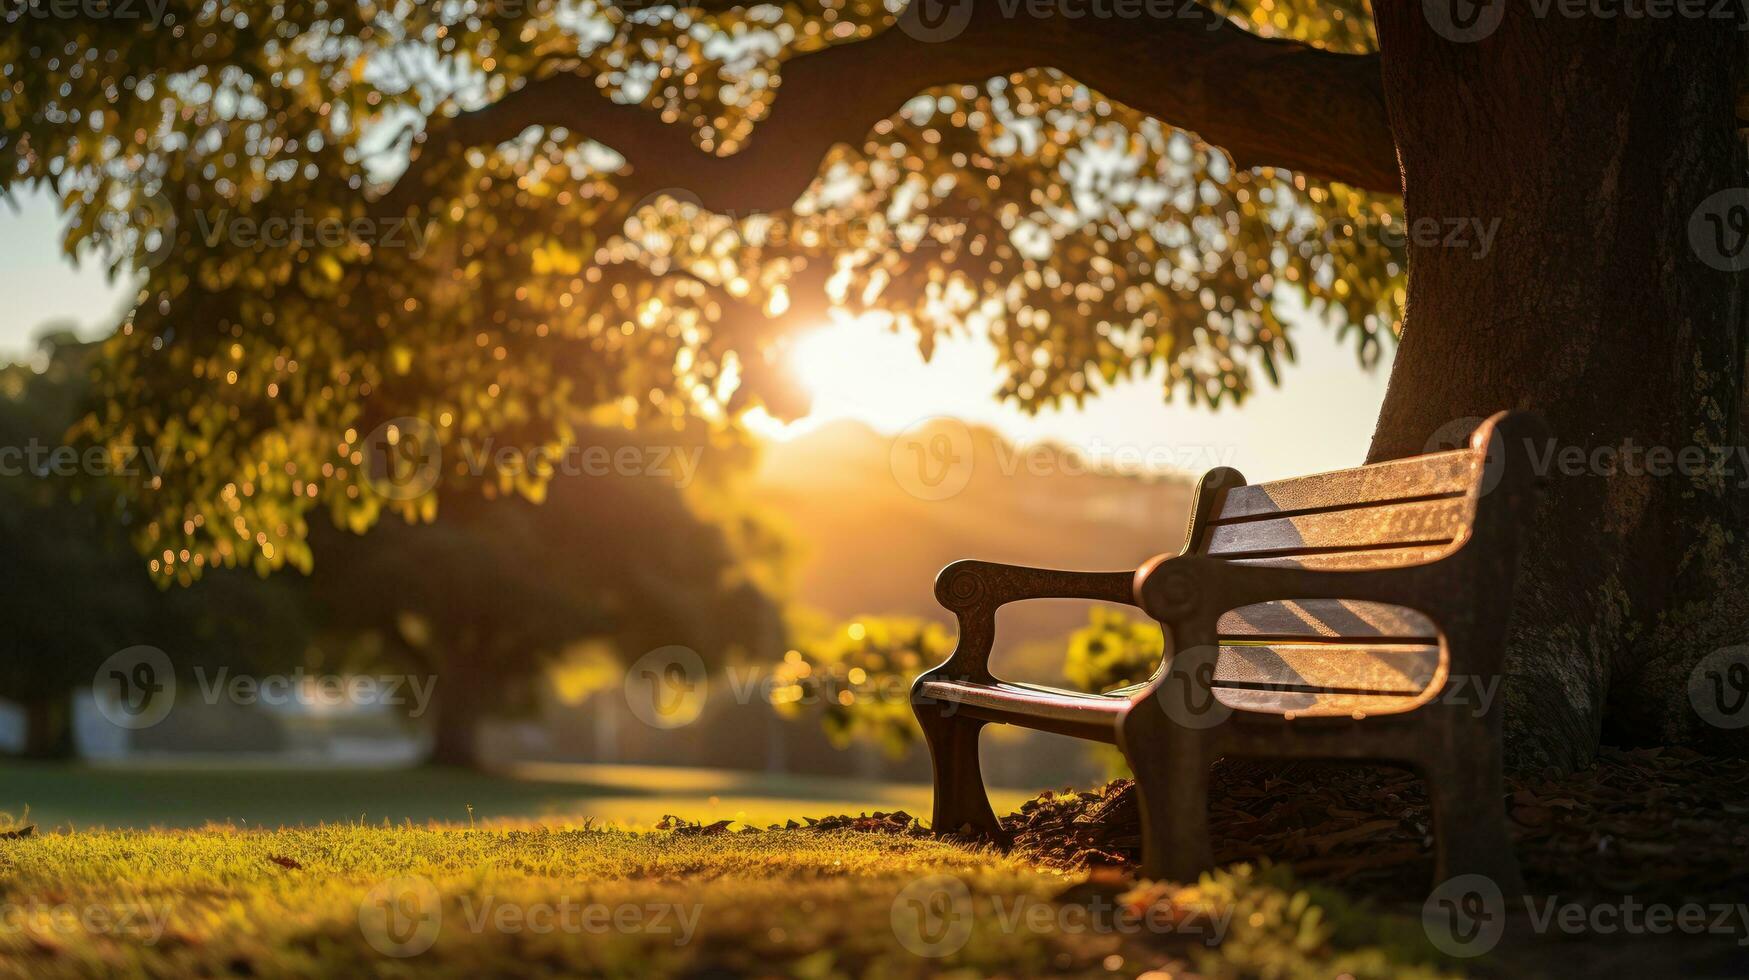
[{"x": 1320, "y": 418}]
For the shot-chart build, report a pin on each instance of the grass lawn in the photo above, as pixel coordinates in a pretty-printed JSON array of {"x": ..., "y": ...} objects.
[
  {"x": 454, "y": 901},
  {"x": 537, "y": 890}
]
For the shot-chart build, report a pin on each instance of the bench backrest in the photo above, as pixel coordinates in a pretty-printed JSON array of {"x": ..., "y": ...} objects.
[{"x": 1350, "y": 657}]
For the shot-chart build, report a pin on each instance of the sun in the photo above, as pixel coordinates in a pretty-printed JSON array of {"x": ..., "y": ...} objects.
[{"x": 861, "y": 369}]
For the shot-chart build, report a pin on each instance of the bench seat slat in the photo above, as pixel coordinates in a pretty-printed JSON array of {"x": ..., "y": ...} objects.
[
  {"x": 1438, "y": 474},
  {"x": 1420, "y": 523},
  {"x": 1351, "y": 561},
  {"x": 1326, "y": 618},
  {"x": 1032, "y": 706},
  {"x": 1315, "y": 705},
  {"x": 1396, "y": 668}
]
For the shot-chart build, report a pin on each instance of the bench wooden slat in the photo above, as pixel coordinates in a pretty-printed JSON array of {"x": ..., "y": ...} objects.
[
  {"x": 1048, "y": 708},
  {"x": 1351, "y": 561},
  {"x": 1328, "y": 618},
  {"x": 1422, "y": 522},
  {"x": 1315, "y": 705},
  {"x": 1366, "y": 486},
  {"x": 1397, "y": 668}
]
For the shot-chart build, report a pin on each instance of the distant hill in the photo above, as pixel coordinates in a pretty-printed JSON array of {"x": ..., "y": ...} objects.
[{"x": 869, "y": 540}]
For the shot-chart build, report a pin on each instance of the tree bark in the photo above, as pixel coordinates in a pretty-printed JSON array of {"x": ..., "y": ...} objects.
[
  {"x": 1589, "y": 144},
  {"x": 462, "y": 699},
  {"x": 48, "y": 728}
]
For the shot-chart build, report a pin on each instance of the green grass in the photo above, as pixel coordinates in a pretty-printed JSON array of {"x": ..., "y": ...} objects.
[
  {"x": 529, "y": 894},
  {"x": 811, "y": 904}
]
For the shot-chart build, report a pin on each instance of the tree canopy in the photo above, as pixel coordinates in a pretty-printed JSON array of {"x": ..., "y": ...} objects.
[{"x": 514, "y": 220}]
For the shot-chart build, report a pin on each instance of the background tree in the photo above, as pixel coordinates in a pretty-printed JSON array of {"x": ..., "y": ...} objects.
[
  {"x": 488, "y": 596},
  {"x": 481, "y": 600},
  {"x": 630, "y": 212},
  {"x": 75, "y": 591}
]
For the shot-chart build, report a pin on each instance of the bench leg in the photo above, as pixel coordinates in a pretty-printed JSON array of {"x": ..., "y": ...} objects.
[
  {"x": 961, "y": 805},
  {"x": 1172, "y": 785},
  {"x": 1468, "y": 792}
]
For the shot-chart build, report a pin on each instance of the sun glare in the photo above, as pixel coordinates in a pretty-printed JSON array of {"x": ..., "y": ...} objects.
[{"x": 860, "y": 369}]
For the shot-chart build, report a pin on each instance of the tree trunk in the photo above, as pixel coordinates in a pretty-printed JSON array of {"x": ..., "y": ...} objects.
[
  {"x": 1589, "y": 144},
  {"x": 48, "y": 728},
  {"x": 462, "y": 698}
]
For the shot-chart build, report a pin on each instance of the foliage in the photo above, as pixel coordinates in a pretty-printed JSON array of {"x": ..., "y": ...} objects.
[
  {"x": 483, "y": 598},
  {"x": 860, "y": 675},
  {"x": 77, "y": 592},
  {"x": 1088, "y": 242},
  {"x": 1112, "y": 651}
]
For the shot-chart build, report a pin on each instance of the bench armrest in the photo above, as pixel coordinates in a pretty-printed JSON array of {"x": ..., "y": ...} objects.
[{"x": 974, "y": 590}]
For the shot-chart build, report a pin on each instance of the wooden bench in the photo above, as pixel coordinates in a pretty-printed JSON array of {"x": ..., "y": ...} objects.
[{"x": 1348, "y": 615}]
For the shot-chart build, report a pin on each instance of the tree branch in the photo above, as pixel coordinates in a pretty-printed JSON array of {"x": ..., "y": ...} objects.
[{"x": 1266, "y": 102}]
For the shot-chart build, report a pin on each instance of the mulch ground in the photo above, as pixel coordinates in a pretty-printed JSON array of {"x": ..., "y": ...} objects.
[{"x": 1661, "y": 824}]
